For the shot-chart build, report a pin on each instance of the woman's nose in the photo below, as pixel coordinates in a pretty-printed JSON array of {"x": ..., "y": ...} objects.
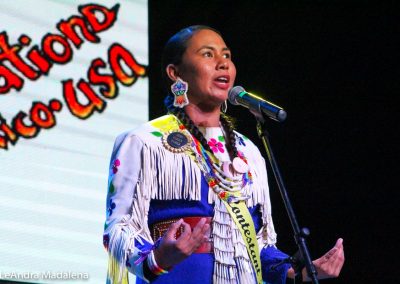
[{"x": 223, "y": 63}]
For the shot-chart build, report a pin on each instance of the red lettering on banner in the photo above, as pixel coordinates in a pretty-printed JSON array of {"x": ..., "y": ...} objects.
[
  {"x": 26, "y": 131},
  {"x": 42, "y": 115},
  {"x": 82, "y": 101},
  {"x": 10, "y": 53},
  {"x": 37, "y": 58},
  {"x": 110, "y": 16},
  {"x": 48, "y": 47},
  {"x": 110, "y": 88},
  {"x": 11, "y": 80},
  {"x": 68, "y": 28},
  {"x": 8, "y": 136},
  {"x": 77, "y": 108},
  {"x": 118, "y": 53}
]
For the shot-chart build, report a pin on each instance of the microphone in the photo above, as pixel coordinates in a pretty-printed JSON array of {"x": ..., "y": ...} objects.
[{"x": 238, "y": 96}]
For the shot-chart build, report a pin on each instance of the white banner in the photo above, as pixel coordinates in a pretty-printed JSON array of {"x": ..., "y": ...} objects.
[{"x": 73, "y": 75}]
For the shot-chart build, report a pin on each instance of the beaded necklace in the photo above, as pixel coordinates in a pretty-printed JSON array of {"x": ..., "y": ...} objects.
[{"x": 227, "y": 188}]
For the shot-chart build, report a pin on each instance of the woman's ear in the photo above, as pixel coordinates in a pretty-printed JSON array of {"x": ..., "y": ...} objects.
[{"x": 172, "y": 72}]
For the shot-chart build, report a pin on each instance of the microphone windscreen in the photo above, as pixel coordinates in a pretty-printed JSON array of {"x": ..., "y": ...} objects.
[{"x": 233, "y": 93}]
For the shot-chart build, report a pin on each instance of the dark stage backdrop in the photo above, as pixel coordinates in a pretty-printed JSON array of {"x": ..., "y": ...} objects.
[{"x": 331, "y": 65}]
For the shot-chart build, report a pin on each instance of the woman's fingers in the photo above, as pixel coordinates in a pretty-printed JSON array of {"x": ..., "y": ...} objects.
[
  {"x": 172, "y": 251},
  {"x": 331, "y": 263},
  {"x": 190, "y": 240},
  {"x": 172, "y": 230},
  {"x": 199, "y": 227},
  {"x": 187, "y": 232},
  {"x": 335, "y": 251},
  {"x": 329, "y": 254},
  {"x": 201, "y": 233},
  {"x": 201, "y": 230},
  {"x": 338, "y": 258}
]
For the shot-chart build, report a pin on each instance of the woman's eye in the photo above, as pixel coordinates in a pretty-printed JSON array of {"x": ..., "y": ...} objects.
[
  {"x": 207, "y": 54},
  {"x": 227, "y": 55}
]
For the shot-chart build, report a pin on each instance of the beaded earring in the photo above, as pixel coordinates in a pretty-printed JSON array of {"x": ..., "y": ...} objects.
[{"x": 179, "y": 88}]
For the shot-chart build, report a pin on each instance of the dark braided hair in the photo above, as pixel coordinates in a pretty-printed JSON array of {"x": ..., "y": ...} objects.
[
  {"x": 226, "y": 121},
  {"x": 228, "y": 125},
  {"x": 173, "y": 52}
]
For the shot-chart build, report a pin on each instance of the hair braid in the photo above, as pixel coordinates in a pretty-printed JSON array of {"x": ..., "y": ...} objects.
[
  {"x": 227, "y": 124},
  {"x": 189, "y": 124}
]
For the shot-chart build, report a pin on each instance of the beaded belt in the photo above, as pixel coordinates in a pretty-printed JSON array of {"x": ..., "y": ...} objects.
[{"x": 160, "y": 228}]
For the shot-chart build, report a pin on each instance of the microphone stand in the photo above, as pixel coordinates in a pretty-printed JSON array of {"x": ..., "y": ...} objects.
[{"x": 302, "y": 257}]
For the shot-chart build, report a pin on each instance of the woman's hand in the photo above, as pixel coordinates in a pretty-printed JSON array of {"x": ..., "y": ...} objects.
[
  {"x": 330, "y": 264},
  {"x": 327, "y": 266},
  {"x": 170, "y": 251}
]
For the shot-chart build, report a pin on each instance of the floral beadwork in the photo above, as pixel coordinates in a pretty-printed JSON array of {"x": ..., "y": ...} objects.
[
  {"x": 111, "y": 207},
  {"x": 216, "y": 178},
  {"x": 216, "y": 146},
  {"x": 179, "y": 89},
  {"x": 241, "y": 155},
  {"x": 226, "y": 196},
  {"x": 111, "y": 188},
  {"x": 116, "y": 164},
  {"x": 157, "y": 133},
  {"x": 241, "y": 141}
]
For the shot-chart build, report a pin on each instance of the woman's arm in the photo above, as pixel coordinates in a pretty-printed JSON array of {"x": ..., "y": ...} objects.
[{"x": 125, "y": 235}]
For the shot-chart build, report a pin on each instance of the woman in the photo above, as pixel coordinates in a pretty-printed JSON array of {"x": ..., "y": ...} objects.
[{"x": 187, "y": 193}]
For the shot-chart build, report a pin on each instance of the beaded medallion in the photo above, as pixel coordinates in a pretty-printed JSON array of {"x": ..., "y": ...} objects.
[{"x": 176, "y": 141}]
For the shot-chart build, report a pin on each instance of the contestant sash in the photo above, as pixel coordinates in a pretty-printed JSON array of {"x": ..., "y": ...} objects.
[{"x": 241, "y": 215}]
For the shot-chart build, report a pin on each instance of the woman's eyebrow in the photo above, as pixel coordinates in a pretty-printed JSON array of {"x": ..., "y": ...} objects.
[{"x": 212, "y": 48}]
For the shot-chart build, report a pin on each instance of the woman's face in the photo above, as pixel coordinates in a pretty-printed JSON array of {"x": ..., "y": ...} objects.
[{"x": 207, "y": 67}]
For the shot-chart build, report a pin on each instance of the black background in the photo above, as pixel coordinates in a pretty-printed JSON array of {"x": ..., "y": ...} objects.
[{"x": 332, "y": 66}]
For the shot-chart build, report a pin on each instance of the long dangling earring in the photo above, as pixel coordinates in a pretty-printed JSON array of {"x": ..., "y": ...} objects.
[
  {"x": 224, "y": 107},
  {"x": 179, "y": 88}
]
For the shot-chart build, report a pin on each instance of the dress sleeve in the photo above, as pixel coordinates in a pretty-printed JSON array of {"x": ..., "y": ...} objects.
[
  {"x": 124, "y": 231},
  {"x": 271, "y": 256}
]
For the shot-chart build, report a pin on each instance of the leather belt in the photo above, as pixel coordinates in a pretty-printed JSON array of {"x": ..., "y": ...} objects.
[{"x": 160, "y": 228}]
